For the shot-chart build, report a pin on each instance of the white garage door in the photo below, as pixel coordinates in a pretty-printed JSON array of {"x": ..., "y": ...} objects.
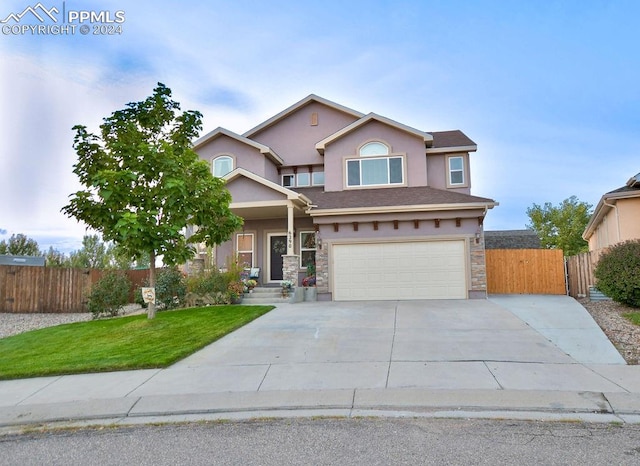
[{"x": 390, "y": 271}]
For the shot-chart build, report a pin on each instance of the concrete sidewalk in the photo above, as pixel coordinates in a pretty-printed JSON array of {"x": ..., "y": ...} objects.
[{"x": 535, "y": 357}]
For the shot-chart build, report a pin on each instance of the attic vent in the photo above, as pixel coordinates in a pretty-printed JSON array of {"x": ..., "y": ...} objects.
[{"x": 314, "y": 119}]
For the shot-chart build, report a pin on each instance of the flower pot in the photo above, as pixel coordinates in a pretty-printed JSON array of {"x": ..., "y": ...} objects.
[{"x": 310, "y": 293}]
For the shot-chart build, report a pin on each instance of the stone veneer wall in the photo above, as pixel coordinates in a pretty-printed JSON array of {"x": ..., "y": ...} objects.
[
  {"x": 322, "y": 266},
  {"x": 478, "y": 269},
  {"x": 290, "y": 268}
]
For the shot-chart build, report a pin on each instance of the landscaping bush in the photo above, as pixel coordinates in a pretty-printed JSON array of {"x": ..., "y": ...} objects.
[
  {"x": 618, "y": 273},
  {"x": 171, "y": 289},
  {"x": 109, "y": 294}
]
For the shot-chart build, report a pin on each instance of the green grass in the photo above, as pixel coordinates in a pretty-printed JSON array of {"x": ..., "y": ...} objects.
[
  {"x": 123, "y": 343},
  {"x": 633, "y": 317}
]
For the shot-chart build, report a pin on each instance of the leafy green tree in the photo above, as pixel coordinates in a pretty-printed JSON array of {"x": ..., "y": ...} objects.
[
  {"x": 55, "y": 258},
  {"x": 20, "y": 245},
  {"x": 94, "y": 254},
  {"x": 561, "y": 226},
  {"x": 144, "y": 183}
]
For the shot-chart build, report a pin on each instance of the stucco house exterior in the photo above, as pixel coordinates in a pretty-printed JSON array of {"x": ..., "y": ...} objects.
[
  {"x": 381, "y": 209},
  {"x": 616, "y": 217}
]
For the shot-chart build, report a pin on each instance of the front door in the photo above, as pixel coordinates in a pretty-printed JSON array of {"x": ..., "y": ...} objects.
[{"x": 277, "y": 248}]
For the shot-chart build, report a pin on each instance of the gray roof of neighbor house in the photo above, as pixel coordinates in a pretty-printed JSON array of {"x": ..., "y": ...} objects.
[
  {"x": 404, "y": 196},
  {"x": 511, "y": 239}
]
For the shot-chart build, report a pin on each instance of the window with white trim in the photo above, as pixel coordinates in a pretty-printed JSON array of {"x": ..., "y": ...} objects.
[
  {"x": 304, "y": 179},
  {"x": 456, "y": 171},
  {"x": 244, "y": 249},
  {"x": 375, "y": 167},
  {"x": 317, "y": 178},
  {"x": 222, "y": 165},
  {"x": 375, "y": 171},
  {"x": 288, "y": 181},
  {"x": 307, "y": 248}
]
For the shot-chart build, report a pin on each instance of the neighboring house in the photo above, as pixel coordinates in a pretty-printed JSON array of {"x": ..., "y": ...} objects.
[
  {"x": 511, "y": 239},
  {"x": 33, "y": 261},
  {"x": 615, "y": 218},
  {"x": 383, "y": 210}
]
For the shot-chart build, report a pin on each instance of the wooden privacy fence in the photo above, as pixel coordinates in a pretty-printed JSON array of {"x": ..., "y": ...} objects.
[
  {"x": 580, "y": 274},
  {"x": 525, "y": 271},
  {"x": 55, "y": 290}
]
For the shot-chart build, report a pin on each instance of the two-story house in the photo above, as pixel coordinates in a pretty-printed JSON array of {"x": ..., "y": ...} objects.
[{"x": 383, "y": 210}]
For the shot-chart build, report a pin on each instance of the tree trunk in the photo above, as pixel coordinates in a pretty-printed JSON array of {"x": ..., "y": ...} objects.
[{"x": 151, "y": 309}]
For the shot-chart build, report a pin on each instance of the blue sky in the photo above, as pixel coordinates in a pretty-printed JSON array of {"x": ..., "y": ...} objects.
[{"x": 548, "y": 90}]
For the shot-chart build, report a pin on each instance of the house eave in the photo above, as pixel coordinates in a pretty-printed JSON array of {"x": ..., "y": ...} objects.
[
  {"x": 602, "y": 209},
  {"x": 449, "y": 150},
  {"x": 216, "y": 133},
  {"x": 321, "y": 145},
  {"x": 291, "y": 195},
  {"x": 314, "y": 212}
]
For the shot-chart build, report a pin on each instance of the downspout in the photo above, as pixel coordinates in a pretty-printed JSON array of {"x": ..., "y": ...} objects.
[{"x": 614, "y": 207}]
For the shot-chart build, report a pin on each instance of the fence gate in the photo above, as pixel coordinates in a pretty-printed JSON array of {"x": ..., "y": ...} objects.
[{"x": 525, "y": 271}]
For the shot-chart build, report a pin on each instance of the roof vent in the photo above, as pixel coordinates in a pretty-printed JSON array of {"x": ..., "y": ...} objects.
[{"x": 634, "y": 182}]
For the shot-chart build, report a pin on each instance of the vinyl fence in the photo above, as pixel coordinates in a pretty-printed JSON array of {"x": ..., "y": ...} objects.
[
  {"x": 525, "y": 271},
  {"x": 55, "y": 290}
]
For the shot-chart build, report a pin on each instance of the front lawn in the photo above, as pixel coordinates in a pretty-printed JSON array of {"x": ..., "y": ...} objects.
[{"x": 123, "y": 343}]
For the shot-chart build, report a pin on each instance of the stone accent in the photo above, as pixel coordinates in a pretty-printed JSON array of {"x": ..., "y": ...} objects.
[
  {"x": 290, "y": 268},
  {"x": 322, "y": 265},
  {"x": 478, "y": 269}
]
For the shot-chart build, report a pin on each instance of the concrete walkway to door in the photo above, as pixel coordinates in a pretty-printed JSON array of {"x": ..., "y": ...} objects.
[{"x": 508, "y": 356}]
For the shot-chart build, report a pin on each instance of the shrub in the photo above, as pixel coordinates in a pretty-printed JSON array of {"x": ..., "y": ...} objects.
[
  {"x": 618, "y": 273},
  {"x": 206, "y": 283},
  {"x": 109, "y": 294},
  {"x": 170, "y": 288}
]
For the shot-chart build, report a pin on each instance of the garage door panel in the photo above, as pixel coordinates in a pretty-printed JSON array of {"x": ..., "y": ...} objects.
[{"x": 414, "y": 270}]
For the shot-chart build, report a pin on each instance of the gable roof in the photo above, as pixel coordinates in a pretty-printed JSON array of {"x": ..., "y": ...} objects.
[
  {"x": 297, "y": 106},
  {"x": 629, "y": 190},
  {"x": 320, "y": 146},
  {"x": 400, "y": 199},
  {"x": 291, "y": 195},
  {"x": 219, "y": 131}
]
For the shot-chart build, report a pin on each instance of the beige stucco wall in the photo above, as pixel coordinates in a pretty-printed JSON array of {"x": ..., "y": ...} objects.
[
  {"x": 621, "y": 223},
  {"x": 243, "y": 155}
]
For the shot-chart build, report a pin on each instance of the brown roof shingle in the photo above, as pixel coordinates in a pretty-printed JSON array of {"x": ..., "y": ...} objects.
[{"x": 387, "y": 197}]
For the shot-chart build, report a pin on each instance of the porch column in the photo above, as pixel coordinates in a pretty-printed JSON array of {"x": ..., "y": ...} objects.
[{"x": 290, "y": 236}]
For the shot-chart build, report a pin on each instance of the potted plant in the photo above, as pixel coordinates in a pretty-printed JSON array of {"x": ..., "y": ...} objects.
[
  {"x": 250, "y": 284},
  {"x": 309, "y": 283},
  {"x": 287, "y": 286}
]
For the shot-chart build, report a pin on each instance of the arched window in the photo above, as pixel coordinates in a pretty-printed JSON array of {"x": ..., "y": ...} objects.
[
  {"x": 375, "y": 166},
  {"x": 374, "y": 148},
  {"x": 222, "y": 165}
]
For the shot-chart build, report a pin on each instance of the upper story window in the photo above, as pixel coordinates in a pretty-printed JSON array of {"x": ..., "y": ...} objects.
[
  {"x": 375, "y": 167},
  {"x": 222, "y": 165},
  {"x": 374, "y": 148},
  {"x": 303, "y": 179},
  {"x": 456, "y": 171}
]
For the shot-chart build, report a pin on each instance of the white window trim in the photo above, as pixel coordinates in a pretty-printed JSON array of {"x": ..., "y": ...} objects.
[
  {"x": 313, "y": 183},
  {"x": 450, "y": 183},
  {"x": 387, "y": 157},
  {"x": 222, "y": 156},
  {"x": 298, "y": 180},
  {"x": 253, "y": 247},
  {"x": 302, "y": 248},
  {"x": 293, "y": 178}
]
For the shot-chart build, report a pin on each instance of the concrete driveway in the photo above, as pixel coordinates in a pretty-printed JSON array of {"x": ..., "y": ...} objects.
[
  {"x": 506, "y": 342},
  {"x": 535, "y": 354}
]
